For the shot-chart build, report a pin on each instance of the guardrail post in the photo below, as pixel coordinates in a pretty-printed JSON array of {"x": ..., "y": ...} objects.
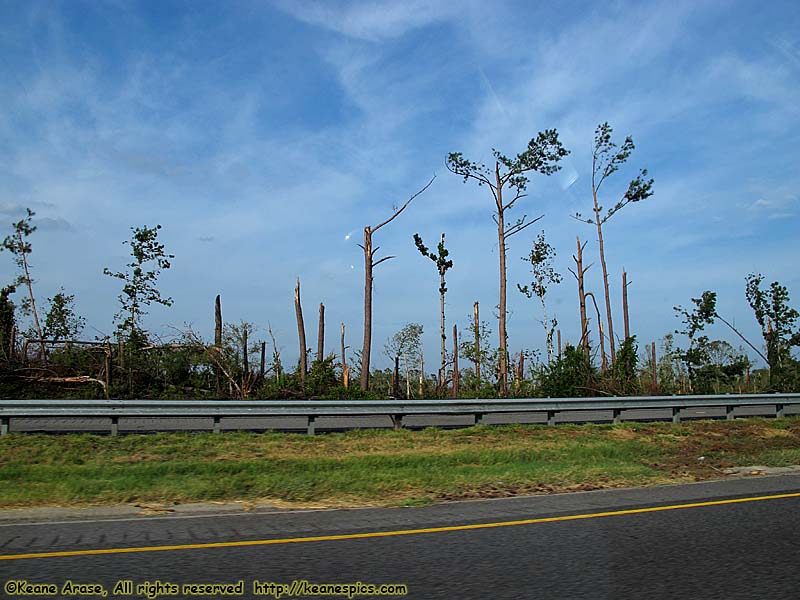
[
  {"x": 478, "y": 418},
  {"x": 676, "y": 415},
  {"x": 397, "y": 421},
  {"x": 617, "y": 413},
  {"x": 311, "y": 428},
  {"x": 551, "y": 417},
  {"x": 779, "y": 411},
  {"x": 729, "y": 412},
  {"x": 216, "y": 424},
  {"x": 114, "y": 426},
  {"x": 4, "y": 425}
]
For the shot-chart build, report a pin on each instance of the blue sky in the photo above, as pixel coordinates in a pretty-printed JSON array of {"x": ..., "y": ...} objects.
[{"x": 263, "y": 136}]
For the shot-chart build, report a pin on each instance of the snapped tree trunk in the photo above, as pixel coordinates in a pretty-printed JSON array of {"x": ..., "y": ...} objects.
[
  {"x": 456, "y": 373},
  {"x": 345, "y": 374},
  {"x": 421, "y": 372},
  {"x": 217, "y": 322},
  {"x": 301, "y": 334},
  {"x": 579, "y": 272},
  {"x": 654, "y": 366},
  {"x": 625, "y": 304},
  {"x": 477, "y": 327},
  {"x": 321, "y": 333},
  {"x": 245, "y": 357},
  {"x": 605, "y": 273},
  {"x": 396, "y": 378},
  {"x": 217, "y": 340},
  {"x": 263, "y": 359}
]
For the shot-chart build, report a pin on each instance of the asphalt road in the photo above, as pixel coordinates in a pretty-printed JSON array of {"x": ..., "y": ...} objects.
[
  {"x": 726, "y": 550},
  {"x": 340, "y": 423}
]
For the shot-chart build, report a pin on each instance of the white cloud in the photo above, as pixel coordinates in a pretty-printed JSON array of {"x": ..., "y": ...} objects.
[{"x": 370, "y": 20}]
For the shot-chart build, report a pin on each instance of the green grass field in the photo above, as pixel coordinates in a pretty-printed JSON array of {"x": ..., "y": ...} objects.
[{"x": 377, "y": 467}]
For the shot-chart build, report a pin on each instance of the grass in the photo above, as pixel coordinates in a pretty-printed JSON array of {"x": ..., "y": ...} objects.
[{"x": 375, "y": 467}]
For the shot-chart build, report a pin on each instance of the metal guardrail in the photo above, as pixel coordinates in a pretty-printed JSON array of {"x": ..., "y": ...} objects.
[{"x": 397, "y": 410}]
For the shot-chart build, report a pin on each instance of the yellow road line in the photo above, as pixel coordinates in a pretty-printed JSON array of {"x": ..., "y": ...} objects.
[{"x": 379, "y": 534}]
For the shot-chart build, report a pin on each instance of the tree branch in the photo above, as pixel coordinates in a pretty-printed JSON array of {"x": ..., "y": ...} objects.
[
  {"x": 520, "y": 225},
  {"x": 402, "y": 208},
  {"x": 375, "y": 264},
  {"x": 746, "y": 341}
]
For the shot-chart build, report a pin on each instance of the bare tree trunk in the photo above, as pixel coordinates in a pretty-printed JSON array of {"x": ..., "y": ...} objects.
[
  {"x": 520, "y": 371},
  {"x": 109, "y": 367},
  {"x": 276, "y": 354},
  {"x": 369, "y": 265},
  {"x": 367, "y": 346},
  {"x": 344, "y": 359},
  {"x": 654, "y": 366},
  {"x": 456, "y": 374},
  {"x": 217, "y": 341},
  {"x": 245, "y": 357},
  {"x": 421, "y": 372},
  {"x": 301, "y": 333},
  {"x": 408, "y": 380},
  {"x": 605, "y": 272},
  {"x": 603, "y": 360},
  {"x": 559, "y": 343},
  {"x": 625, "y": 304},
  {"x": 503, "y": 363},
  {"x": 321, "y": 333},
  {"x": 477, "y": 343},
  {"x": 396, "y": 378},
  {"x": 443, "y": 351},
  {"x": 13, "y": 343},
  {"x": 217, "y": 322},
  {"x": 263, "y": 359},
  {"x": 579, "y": 273}
]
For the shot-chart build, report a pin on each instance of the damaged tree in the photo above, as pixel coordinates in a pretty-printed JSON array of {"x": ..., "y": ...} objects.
[
  {"x": 369, "y": 265},
  {"x": 606, "y": 160},
  {"x": 442, "y": 265},
  {"x": 510, "y": 175}
]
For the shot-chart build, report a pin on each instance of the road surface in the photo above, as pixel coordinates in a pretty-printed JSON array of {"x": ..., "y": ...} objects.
[{"x": 687, "y": 541}]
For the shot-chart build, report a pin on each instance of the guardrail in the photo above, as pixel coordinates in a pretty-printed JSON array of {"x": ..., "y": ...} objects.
[{"x": 397, "y": 410}]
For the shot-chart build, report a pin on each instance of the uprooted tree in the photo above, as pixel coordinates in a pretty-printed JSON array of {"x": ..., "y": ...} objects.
[{"x": 510, "y": 175}]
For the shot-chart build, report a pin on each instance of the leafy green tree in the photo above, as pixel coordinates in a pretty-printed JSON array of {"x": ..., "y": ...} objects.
[
  {"x": 17, "y": 243},
  {"x": 140, "y": 279},
  {"x": 607, "y": 159},
  {"x": 7, "y": 321},
  {"x": 507, "y": 181},
  {"x": 624, "y": 371},
  {"x": 777, "y": 320},
  {"x": 61, "y": 321},
  {"x": 442, "y": 265},
  {"x": 406, "y": 345},
  {"x": 571, "y": 375},
  {"x": 697, "y": 354},
  {"x": 541, "y": 259}
]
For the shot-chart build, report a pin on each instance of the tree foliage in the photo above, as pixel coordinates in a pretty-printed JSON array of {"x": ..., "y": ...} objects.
[
  {"x": 778, "y": 324},
  {"x": 140, "y": 278},
  {"x": 61, "y": 322}
]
